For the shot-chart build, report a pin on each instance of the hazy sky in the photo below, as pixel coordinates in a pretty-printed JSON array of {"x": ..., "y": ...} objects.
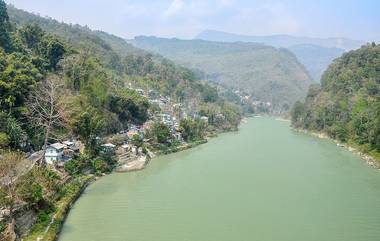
[{"x": 357, "y": 19}]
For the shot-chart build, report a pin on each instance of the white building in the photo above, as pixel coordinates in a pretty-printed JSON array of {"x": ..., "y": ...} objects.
[
  {"x": 204, "y": 119},
  {"x": 54, "y": 153}
]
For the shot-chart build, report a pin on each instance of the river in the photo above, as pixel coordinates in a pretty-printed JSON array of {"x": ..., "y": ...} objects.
[{"x": 262, "y": 183}]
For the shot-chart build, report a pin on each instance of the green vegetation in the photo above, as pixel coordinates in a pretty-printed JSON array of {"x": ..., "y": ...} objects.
[
  {"x": 60, "y": 81},
  {"x": 160, "y": 133},
  {"x": 56, "y": 215},
  {"x": 269, "y": 74},
  {"x": 314, "y": 53},
  {"x": 192, "y": 130},
  {"x": 347, "y": 103},
  {"x": 45, "y": 55}
]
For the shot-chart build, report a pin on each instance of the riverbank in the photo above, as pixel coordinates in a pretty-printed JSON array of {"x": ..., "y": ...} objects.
[
  {"x": 371, "y": 160},
  {"x": 48, "y": 228},
  {"x": 304, "y": 174},
  {"x": 140, "y": 162}
]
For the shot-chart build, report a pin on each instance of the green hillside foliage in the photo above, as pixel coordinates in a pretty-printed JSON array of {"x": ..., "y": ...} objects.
[
  {"x": 316, "y": 54},
  {"x": 91, "y": 70},
  {"x": 269, "y": 74},
  {"x": 347, "y": 103}
]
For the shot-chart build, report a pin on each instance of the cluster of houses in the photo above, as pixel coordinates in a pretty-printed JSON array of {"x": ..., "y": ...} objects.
[
  {"x": 170, "y": 114},
  {"x": 248, "y": 99}
]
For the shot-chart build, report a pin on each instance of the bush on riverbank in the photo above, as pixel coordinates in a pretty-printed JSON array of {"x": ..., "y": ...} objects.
[{"x": 48, "y": 224}]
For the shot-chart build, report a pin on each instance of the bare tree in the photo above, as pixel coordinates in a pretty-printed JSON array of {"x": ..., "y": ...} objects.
[{"x": 47, "y": 108}]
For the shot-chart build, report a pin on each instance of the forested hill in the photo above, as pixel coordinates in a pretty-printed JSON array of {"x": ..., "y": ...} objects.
[
  {"x": 316, "y": 54},
  {"x": 347, "y": 103},
  {"x": 269, "y": 74},
  {"x": 91, "y": 70},
  {"x": 108, "y": 48}
]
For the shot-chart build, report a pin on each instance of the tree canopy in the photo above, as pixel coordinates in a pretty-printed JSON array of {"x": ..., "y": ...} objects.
[{"x": 347, "y": 103}]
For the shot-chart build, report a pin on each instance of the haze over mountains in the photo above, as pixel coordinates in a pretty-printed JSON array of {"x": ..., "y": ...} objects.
[
  {"x": 316, "y": 54},
  {"x": 259, "y": 66},
  {"x": 283, "y": 41},
  {"x": 267, "y": 73}
]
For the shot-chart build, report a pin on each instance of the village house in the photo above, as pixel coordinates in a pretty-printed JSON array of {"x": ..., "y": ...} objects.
[
  {"x": 108, "y": 148},
  {"x": 54, "y": 153},
  {"x": 204, "y": 119}
]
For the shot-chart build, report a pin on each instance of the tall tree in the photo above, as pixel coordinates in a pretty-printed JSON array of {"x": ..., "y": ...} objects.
[
  {"x": 47, "y": 108},
  {"x": 88, "y": 126}
]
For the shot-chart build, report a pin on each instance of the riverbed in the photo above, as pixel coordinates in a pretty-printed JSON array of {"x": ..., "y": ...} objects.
[{"x": 264, "y": 182}]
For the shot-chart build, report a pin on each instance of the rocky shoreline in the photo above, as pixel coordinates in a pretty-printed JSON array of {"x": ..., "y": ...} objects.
[{"x": 370, "y": 160}]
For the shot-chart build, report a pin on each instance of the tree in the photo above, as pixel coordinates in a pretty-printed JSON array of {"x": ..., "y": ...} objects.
[
  {"x": 53, "y": 50},
  {"x": 192, "y": 130},
  {"x": 36, "y": 42},
  {"x": 129, "y": 106},
  {"x": 160, "y": 133},
  {"x": 88, "y": 126},
  {"x": 18, "y": 76},
  {"x": 297, "y": 111},
  {"x": 47, "y": 108},
  {"x": 5, "y": 42},
  {"x": 31, "y": 36}
]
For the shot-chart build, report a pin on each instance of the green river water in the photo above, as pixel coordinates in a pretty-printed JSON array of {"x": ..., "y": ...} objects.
[{"x": 263, "y": 183}]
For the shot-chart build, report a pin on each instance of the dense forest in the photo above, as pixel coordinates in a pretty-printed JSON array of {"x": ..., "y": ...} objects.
[
  {"x": 347, "y": 103},
  {"x": 266, "y": 73}
]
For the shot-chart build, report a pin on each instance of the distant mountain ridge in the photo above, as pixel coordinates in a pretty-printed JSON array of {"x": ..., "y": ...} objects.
[
  {"x": 267, "y": 73},
  {"x": 315, "y": 58},
  {"x": 316, "y": 54},
  {"x": 284, "y": 41}
]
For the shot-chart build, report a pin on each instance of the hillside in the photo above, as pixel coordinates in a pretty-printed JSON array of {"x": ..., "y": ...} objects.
[
  {"x": 284, "y": 41},
  {"x": 95, "y": 68},
  {"x": 269, "y": 74},
  {"x": 347, "y": 103},
  {"x": 60, "y": 84},
  {"x": 316, "y": 54},
  {"x": 108, "y": 48},
  {"x": 315, "y": 58}
]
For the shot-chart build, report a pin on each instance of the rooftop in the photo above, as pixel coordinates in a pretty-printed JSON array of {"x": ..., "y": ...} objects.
[{"x": 58, "y": 146}]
